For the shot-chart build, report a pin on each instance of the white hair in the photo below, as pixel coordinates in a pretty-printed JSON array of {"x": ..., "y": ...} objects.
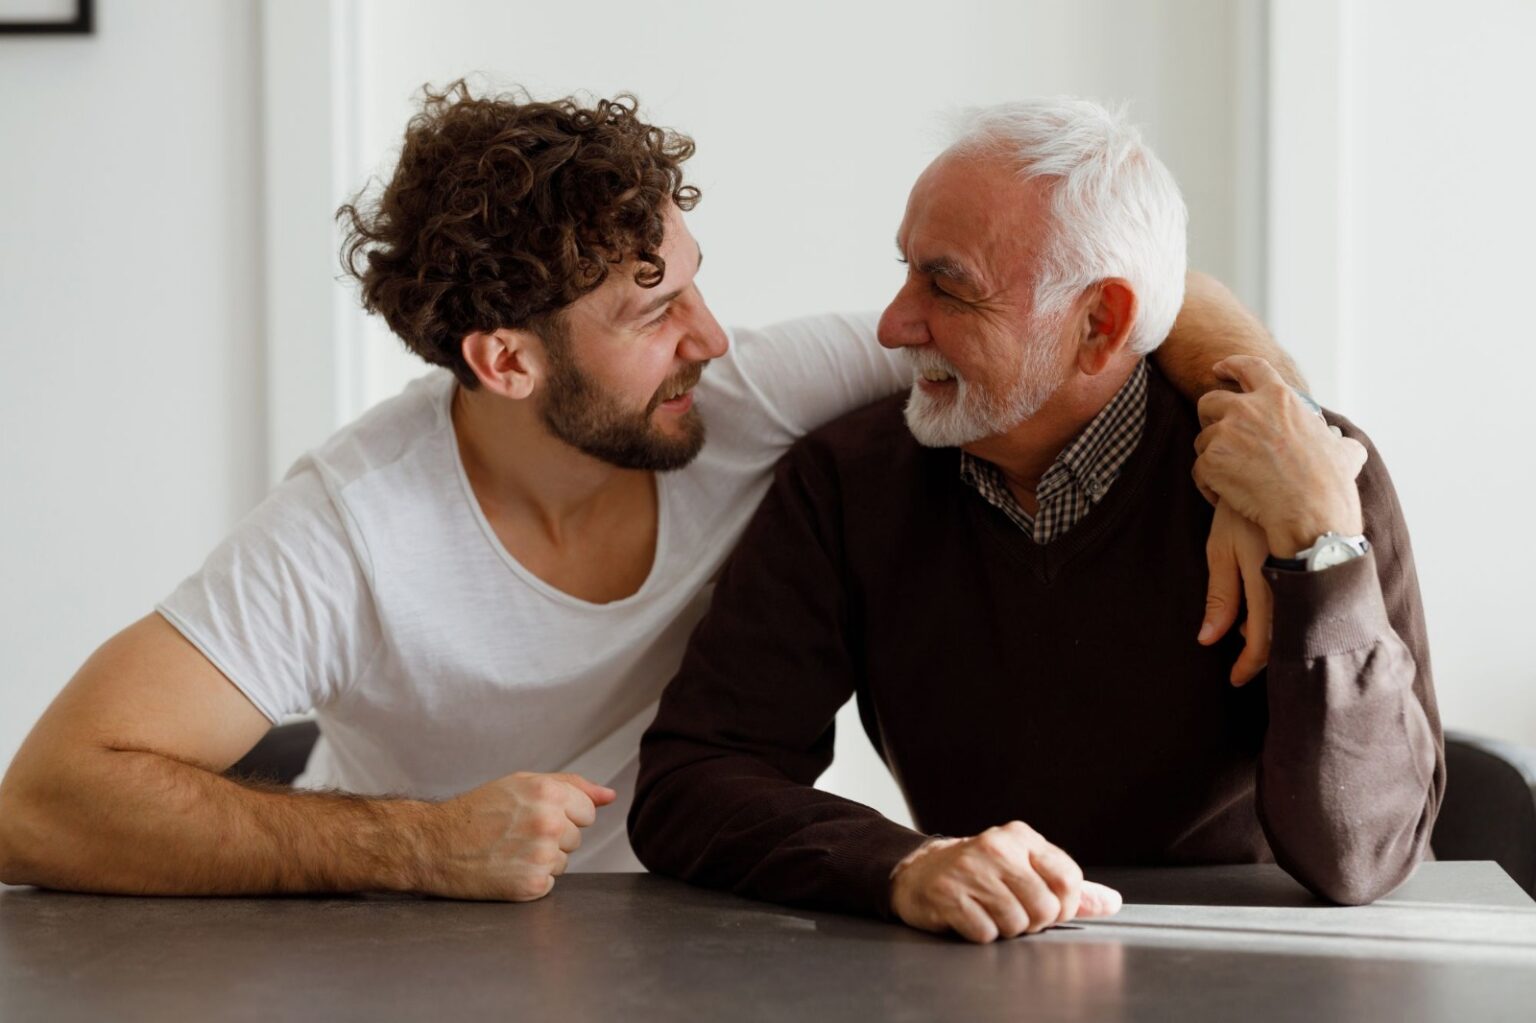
[{"x": 1117, "y": 210}]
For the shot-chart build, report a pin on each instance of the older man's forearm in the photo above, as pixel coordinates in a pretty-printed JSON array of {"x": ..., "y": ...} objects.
[
  {"x": 1353, "y": 767},
  {"x": 1212, "y": 325},
  {"x": 1347, "y": 783},
  {"x": 737, "y": 823},
  {"x": 725, "y": 796}
]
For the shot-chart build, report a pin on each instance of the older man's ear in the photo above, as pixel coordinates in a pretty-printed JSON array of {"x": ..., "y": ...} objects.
[{"x": 1107, "y": 324}]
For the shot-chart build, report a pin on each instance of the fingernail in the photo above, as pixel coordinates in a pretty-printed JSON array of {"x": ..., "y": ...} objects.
[
  {"x": 1207, "y": 630},
  {"x": 1105, "y": 901}
]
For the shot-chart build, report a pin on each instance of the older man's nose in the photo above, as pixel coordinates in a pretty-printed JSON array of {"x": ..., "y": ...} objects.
[{"x": 902, "y": 325}]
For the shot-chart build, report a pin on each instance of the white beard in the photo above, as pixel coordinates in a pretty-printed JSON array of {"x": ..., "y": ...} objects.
[{"x": 970, "y": 414}]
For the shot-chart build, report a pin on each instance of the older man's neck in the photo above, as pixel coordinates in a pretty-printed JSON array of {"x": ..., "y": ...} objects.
[{"x": 1024, "y": 453}]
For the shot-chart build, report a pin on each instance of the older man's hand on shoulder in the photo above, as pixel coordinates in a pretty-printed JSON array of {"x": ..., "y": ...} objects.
[
  {"x": 1002, "y": 883},
  {"x": 1265, "y": 453}
]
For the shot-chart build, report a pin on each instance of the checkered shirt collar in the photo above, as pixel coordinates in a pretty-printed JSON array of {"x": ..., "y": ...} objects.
[{"x": 1081, "y": 473}]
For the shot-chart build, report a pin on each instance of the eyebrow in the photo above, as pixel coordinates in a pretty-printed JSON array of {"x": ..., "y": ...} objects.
[
  {"x": 948, "y": 269},
  {"x": 661, "y": 300},
  {"x": 945, "y": 267}
]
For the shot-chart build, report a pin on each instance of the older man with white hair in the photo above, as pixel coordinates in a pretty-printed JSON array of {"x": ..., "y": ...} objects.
[{"x": 1003, "y": 570}]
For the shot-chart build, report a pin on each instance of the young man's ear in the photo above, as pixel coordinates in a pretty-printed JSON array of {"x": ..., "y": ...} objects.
[
  {"x": 508, "y": 362},
  {"x": 1111, "y": 311}
]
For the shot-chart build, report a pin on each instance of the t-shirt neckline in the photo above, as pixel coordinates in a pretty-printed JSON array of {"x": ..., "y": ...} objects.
[{"x": 554, "y": 593}]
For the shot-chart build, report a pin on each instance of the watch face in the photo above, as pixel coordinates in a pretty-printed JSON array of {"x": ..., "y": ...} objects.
[{"x": 1334, "y": 552}]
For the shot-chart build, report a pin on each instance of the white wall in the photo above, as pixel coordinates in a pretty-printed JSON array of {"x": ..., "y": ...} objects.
[
  {"x": 813, "y": 119},
  {"x": 130, "y": 360},
  {"x": 132, "y": 422},
  {"x": 1440, "y": 356}
]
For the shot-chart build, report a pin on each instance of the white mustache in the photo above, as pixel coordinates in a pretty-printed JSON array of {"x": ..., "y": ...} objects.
[{"x": 921, "y": 359}]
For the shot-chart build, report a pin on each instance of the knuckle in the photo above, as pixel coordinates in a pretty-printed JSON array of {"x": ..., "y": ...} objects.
[
  {"x": 532, "y": 886},
  {"x": 1013, "y": 924},
  {"x": 546, "y": 825},
  {"x": 1044, "y": 910},
  {"x": 976, "y": 931},
  {"x": 545, "y": 788}
]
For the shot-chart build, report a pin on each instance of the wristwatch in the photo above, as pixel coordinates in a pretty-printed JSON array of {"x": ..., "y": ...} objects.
[
  {"x": 1317, "y": 410},
  {"x": 1311, "y": 403},
  {"x": 1330, "y": 549}
]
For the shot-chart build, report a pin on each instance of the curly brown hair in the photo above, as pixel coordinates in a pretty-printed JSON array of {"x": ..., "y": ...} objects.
[{"x": 502, "y": 211}]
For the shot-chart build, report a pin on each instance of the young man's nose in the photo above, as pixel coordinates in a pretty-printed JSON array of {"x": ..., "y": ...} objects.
[{"x": 705, "y": 339}]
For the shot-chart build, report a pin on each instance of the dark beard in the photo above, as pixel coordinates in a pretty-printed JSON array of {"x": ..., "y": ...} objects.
[{"x": 586, "y": 417}]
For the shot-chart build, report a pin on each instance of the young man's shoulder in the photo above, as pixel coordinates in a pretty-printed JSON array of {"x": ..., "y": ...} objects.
[
  {"x": 778, "y": 383},
  {"x": 339, "y": 499},
  {"x": 388, "y": 433}
]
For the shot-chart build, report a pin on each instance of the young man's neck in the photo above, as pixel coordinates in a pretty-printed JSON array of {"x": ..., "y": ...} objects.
[
  {"x": 1024, "y": 453},
  {"x": 517, "y": 467}
]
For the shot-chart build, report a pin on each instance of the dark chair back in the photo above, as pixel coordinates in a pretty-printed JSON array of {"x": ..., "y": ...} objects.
[
  {"x": 279, "y": 757},
  {"x": 1489, "y": 811}
]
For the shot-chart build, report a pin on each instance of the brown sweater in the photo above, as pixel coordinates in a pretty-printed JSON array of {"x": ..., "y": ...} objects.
[{"x": 1059, "y": 685}]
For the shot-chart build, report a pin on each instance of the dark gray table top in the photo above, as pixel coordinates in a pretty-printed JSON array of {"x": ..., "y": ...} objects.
[{"x": 1458, "y": 941}]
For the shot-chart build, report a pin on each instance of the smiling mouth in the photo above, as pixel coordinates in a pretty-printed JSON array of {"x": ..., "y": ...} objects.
[
  {"x": 679, "y": 394},
  {"x": 935, "y": 382}
]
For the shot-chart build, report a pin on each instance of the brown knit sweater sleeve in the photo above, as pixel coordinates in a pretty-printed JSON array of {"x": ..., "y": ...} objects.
[
  {"x": 1353, "y": 767},
  {"x": 725, "y": 794}
]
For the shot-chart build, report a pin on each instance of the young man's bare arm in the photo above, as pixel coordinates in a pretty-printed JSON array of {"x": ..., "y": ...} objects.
[
  {"x": 1213, "y": 324},
  {"x": 119, "y": 789}
]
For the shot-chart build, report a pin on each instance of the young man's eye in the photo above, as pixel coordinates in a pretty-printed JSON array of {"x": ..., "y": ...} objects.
[{"x": 658, "y": 321}]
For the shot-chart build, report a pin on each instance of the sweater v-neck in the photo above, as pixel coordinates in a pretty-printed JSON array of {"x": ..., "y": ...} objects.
[{"x": 1045, "y": 561}]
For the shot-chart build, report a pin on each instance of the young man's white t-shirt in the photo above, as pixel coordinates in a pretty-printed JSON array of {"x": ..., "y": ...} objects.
[{"x": 369, "y": 588}]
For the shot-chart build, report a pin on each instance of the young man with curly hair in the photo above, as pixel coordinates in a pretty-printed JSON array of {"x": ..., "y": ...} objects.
[{"x": 482, "y": 585}]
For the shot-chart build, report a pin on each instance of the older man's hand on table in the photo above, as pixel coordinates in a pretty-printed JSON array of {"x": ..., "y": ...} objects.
[
  {"x": 1004, "y": 882},
  {"x": 1264, "y": 452}
]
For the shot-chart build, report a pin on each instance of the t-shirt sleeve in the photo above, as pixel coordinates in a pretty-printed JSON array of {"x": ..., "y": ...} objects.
[
  {"x": 794, "y": 377},
  {"x": 283, "y": 607}
]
